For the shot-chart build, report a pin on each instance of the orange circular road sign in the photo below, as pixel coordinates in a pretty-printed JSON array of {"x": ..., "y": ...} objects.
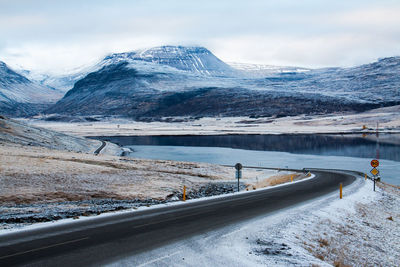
[{"x": 374, "y": 163}]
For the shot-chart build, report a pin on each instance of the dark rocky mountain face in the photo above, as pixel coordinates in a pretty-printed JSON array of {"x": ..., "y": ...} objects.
[
  {"x": 21, "y": 97},
  {"x": 161, "y": 82},
  {"x": 8, "y": 76},
  {"x": 113, "y": 90}
]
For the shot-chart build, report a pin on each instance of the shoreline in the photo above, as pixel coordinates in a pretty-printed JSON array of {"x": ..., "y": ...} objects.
[
  {"x": 244, "y": 133},
  {"x": 383, "y": 121}
]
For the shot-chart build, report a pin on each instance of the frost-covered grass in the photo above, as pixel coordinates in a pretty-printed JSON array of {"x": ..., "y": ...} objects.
[
  {"x": 362, "y": 230},
  {"x": 40, "y": 184},
  {"x": 19, "y": 133},
  {"x": 388, "y": 118},
  {"x": 35, "y": 174}
]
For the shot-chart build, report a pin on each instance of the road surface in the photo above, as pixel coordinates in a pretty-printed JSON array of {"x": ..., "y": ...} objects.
[
  {"x": 105, "y": 239},
  {"x": 103, "y": 144}
]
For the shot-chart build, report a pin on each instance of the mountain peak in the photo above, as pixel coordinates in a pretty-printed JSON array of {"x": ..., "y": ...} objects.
[
  {"x": 3, "y": 65},
  {"x": 20, "y": 96},
  {"x": 194, "y": 59},
  {"x": 171, "y": 49},
  {"x": 8, "y": 75},
  {"x": 389, "y": 61}
]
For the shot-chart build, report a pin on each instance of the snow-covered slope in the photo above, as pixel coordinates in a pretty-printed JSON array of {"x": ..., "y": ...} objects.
[
  {"x": 19, "y": 95},
  {"x": 197, "y": 60},
  {"x": 178, "y": 60},
  {"x": 158, "y": 82},
  {"x": 261, "y": 71},
  {"x": 62, "y": 82}
]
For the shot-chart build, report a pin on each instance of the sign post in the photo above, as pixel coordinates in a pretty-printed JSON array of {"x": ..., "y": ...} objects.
[
  {"x": 238, "y": 168},
  {"x": 375, "y": 171}
]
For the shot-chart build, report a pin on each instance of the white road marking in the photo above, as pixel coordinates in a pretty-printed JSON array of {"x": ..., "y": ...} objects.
[{"x": 37, "y": 249}]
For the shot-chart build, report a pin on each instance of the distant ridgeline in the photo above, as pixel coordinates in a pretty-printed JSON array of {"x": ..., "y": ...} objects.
[
  {"x": 20, "y": 96},
  {"x": 191, "y": 81}
]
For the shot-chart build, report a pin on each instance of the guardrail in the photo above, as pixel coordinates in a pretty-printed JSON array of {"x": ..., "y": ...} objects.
[
  {"x": 268, "y": 168},
  {"x": 304, "y": 170}
]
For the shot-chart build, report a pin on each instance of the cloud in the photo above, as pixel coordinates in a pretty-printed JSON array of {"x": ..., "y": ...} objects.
[
  {"x": 375, "y": 17},
  {"x": 329, "y": 50},
  {"x": 55, "y": 35},
  {"x": 16, "y": 22}
]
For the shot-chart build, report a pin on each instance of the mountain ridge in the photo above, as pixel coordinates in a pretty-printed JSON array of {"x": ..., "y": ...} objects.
[
  {"x": 193, "y": 59},
  {"x": 156, "y": 89},
  {"x": 20, "y": 96},
  {"x": 145, "y": 83}
]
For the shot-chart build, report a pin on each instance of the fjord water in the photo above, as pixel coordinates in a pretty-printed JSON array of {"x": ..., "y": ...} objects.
[{"x": 281, "y": 151}]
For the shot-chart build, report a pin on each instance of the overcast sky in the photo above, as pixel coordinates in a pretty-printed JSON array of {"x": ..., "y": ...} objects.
[{"x": 52, "y": 35}]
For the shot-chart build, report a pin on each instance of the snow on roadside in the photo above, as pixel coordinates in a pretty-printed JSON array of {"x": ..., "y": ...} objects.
[
  {"x": 323, "y": 232},
  {"x": 363, "y": 230}
]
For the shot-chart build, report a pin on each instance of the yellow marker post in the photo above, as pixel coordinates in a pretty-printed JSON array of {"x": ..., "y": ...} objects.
[
  {"x": 184, "y": 193},
  {"x": 366, "y": 176},
  {"x": 341, "y": 190},
  {"x": 291, "y": 177}
]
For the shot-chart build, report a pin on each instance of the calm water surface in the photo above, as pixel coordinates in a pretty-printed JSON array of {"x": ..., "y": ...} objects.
[{"x": 293, "y": 151}]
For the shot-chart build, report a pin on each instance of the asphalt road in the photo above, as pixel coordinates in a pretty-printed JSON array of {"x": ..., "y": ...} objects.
[
  {"x": 103, "y": 144},
  {"x": 105, "y": 239}
]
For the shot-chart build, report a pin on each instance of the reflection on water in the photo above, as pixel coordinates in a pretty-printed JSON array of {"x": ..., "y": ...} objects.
[
  {"x": 389, "y": 169},
  {"x": 316, "y": 144},
  {"x": 305, "y": 151}
]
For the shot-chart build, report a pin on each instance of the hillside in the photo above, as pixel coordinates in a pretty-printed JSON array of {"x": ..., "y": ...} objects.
[
  {"x": 180, "y": 81},
  {"x": 17, "y": 133},
  {"x": 20, "y": 96}
]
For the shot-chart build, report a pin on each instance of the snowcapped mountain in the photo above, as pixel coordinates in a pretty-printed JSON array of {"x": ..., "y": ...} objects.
[
  {"x": 20, "y": 96},
  {"x": 161, "y": 82},
  {"x": 178, "y": 60},
  {"x": 176, "y": 80},
  {"x": 121, "y": 81},
  {"x": 197, "y": 60},
  {"x": 377, "y": 82},
  {"x": 62, "y": 82}
]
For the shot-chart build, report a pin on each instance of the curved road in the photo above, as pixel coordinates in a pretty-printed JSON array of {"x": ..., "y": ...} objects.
[
  {"x": 103, "y": 144},
  {"x": 104, "y": 239}
]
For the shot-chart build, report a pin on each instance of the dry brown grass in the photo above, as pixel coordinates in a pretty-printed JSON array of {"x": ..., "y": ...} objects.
[
  {"x": 276, "y": 180},
  {"x": 279, "y": 179},
  {"x": 323, "y": 242},
  {"x": 383, "y": 184},
  {"x": 33, "y": 175},
  {"x": 340, "y": 264}
]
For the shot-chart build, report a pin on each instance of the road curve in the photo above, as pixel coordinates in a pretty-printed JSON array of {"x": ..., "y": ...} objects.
[
  {"x": 103, "y": 144},
  {"x": 105, "y": 239}
]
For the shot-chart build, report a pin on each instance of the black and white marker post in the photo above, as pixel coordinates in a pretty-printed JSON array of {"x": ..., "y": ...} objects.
[{"x": 238, "y": 168}]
